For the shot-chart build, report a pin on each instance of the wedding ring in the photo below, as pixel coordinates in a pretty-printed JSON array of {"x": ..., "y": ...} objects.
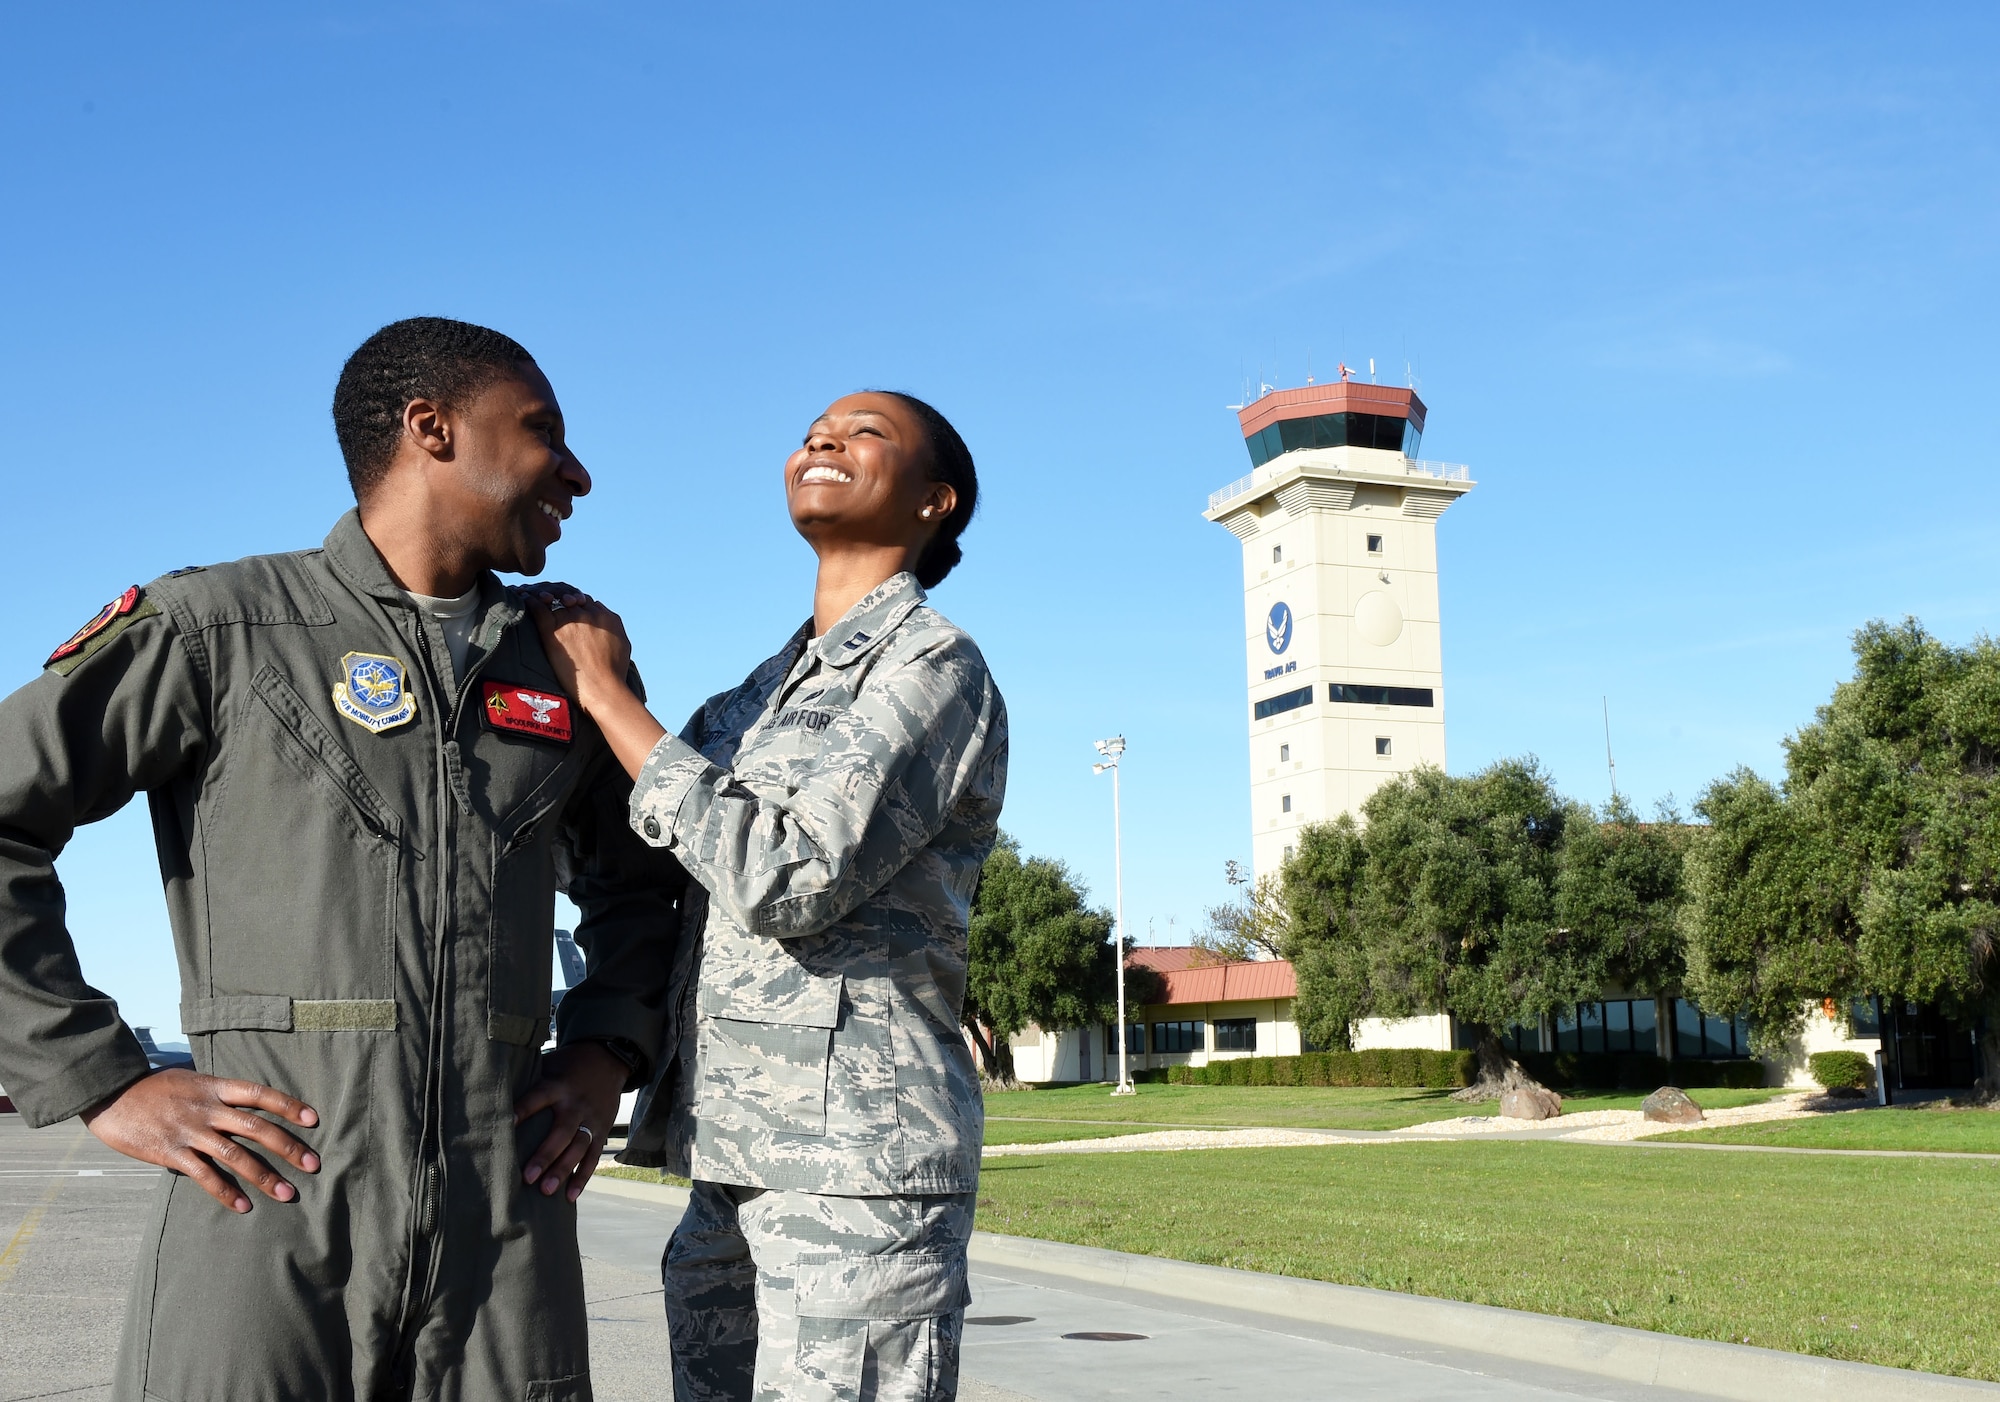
[{"x": 584, "y": 1130}]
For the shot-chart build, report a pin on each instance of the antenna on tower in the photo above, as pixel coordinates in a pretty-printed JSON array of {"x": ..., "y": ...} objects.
[
  {"x": 1371, "y": 369},
  {"x": 1609, "y": 762}
]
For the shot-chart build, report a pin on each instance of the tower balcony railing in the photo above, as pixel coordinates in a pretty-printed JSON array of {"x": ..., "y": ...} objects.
[{"x": 1412, "y": 467}]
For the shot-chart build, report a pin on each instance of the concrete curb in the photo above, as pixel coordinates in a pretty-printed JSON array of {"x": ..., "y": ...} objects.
[{"x": 1737, "y": 1372}]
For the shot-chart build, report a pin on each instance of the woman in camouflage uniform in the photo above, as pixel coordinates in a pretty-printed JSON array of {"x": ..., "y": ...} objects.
[{"x": 835, "y": 809}]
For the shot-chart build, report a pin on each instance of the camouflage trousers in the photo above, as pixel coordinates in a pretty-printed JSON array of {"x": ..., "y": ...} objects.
[{"x": 778, "y": 1296}]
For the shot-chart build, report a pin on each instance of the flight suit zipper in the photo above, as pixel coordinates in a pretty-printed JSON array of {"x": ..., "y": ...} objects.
[{"x": 432, "y": 1181}]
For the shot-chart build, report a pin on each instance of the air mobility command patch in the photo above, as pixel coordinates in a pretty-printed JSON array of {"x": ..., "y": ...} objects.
[
  {"x": 374, "y": 692},
  {"x": 523, "y": 710},
  {"x": 111, "y": 620}
]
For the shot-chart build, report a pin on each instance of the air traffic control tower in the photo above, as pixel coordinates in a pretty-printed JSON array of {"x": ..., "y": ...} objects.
[{"x": 1338, "y": 522}]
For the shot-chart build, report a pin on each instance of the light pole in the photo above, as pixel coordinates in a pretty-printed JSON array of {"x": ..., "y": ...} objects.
[{"x": 1111, "y": 749}]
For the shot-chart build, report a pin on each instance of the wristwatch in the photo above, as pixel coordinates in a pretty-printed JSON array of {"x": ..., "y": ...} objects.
[{"x": 628, "y": 1052}]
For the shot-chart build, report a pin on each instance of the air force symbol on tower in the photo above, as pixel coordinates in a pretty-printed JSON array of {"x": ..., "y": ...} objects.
[{"x": 1278, "y": 627}]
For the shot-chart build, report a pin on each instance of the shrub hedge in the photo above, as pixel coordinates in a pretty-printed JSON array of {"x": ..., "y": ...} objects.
[
  {"x": 1448, "y": 1070},
  {"x": 1842, "y": 1070},
  {"x": 1398, "y": 1066},
  {"x": 1637, "y": 1071}
]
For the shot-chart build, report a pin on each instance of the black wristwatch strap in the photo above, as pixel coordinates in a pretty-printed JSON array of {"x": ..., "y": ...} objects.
[{"x": 623, "y": 1049}]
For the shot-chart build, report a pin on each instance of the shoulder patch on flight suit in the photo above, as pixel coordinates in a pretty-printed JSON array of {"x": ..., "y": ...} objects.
[
  {"x": 525, "y": 710},
  {"x": 109, "y": 621},
  {"x": 374, "y": 692}
]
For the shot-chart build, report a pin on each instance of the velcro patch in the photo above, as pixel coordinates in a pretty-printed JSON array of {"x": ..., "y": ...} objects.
[
  {"x": 526, "y": 710},
  {"x": 106, "y": 624}
]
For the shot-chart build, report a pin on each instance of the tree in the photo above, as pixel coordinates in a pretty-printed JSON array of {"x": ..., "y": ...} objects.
[
  {"x": 1491, "y": 898},
  {"x": 1321, "y": 888},
  {"x": 1876, "y": 867},
  {"x": 1253, "y": 928},
  {"x": 1620, "y": 887},
  {"x": 1038, "y": 956}
]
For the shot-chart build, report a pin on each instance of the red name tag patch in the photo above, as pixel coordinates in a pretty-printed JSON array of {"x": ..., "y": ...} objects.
[{"x": 525, "y": 710}]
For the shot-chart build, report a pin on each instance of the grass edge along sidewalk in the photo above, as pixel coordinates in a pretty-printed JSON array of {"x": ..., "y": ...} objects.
[
  {"x": 1704, "y": 1367},
  {"x": 1887, "y": 1261}
]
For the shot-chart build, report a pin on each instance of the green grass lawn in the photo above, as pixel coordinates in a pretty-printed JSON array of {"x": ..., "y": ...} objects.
[
  {"x": 1034, "y": 1132},
  {"x": 607, "y": 1169},
  {"x": 1709, "y": 1098},
  {"x": 1891, "y": 1261},
  {"x": 1948, "y": 1131},
  {"x": 1200, "y": 1107}
]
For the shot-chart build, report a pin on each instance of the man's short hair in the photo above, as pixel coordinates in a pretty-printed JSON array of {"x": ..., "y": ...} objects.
[{"x": 423, "y": 357}]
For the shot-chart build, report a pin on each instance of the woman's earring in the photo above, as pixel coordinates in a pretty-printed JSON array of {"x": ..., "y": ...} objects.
[{"x": 925, "y": 513}]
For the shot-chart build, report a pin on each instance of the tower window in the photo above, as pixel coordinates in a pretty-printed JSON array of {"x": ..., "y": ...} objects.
[
  {"x": 1277, "y": 553},
  {"x": 1278, "y": 705},
  {"x": 1374, "y": 545},
  {"x": 1284, "y": 753},
  {"x": 1288, "y": 854},
  {"x": 1354, "y": 694},
  {"x": 1381, "y": 744},
  {"x": 1286, "y": 802}
]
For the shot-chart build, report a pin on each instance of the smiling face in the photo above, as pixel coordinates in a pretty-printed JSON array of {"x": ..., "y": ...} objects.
[
  {"x": 862, "y": 478},
  {"x": 510, "y": 479}
]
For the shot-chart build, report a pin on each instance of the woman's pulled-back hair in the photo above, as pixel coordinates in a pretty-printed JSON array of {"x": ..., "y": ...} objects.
[{"x": 951, "y": 463}]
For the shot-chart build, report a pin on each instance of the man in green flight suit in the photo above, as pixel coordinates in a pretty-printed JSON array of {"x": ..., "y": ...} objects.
[{"x": 366, "y": 788}]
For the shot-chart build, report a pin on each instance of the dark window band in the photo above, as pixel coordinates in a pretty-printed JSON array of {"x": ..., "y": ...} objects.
[
  {"x": 1278, "y": 705},
  {"x": 1349, "y": 430},
  {"x": 1356, "y": 695}
]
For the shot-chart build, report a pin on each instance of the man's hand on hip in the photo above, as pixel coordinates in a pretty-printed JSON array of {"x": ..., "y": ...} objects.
[
  {"x": 581, "y": 1083},
  {"x": 190, "y": 1123}
]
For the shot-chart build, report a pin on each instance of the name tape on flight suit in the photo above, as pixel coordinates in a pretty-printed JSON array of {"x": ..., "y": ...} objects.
[{"x": 525, "y": 710}]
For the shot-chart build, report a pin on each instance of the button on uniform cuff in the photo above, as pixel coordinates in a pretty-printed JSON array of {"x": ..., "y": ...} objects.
[{"x": 669, "y": 774}]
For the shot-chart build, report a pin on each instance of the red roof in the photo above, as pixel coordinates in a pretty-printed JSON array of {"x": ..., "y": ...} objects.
[
  {"x": 1333, "y": 397},
  {"x": 1167, "y": 958},
  {"x": 1190, "y": 979}
]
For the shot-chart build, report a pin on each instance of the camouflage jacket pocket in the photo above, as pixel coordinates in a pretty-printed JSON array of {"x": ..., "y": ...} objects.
[
  {"x": 773, "y": 992},
  {"x": 762, "y": 1078}
]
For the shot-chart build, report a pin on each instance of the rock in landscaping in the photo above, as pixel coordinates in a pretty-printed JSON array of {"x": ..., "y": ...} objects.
[
  {"x": 1669, "y": 1105},
  {"x": 1531, "y": 1103}
]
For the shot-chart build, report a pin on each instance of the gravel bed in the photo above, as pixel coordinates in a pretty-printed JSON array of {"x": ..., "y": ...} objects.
[{"x": 1591, "y": 1126}]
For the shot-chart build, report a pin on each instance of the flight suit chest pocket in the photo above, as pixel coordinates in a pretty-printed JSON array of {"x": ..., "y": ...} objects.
[{"x": 315, "y": 858}]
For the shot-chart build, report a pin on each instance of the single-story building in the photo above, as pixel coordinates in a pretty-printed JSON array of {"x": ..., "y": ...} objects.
[{"x": 1211, "y": 1011}]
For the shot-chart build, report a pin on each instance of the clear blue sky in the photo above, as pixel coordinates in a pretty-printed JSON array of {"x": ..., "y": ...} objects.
[{"x": 1706, "y": 299}]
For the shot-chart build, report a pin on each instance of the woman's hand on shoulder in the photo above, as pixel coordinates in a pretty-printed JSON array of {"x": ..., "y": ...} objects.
[
  {"x": 585, "y": 641},
  {"x": 592, "y": 657}
]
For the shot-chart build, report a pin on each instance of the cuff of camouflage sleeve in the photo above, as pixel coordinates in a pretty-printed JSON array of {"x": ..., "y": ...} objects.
[
  {"x": 668, "y": 776},
  {"x": 91, "y": 1078}
]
